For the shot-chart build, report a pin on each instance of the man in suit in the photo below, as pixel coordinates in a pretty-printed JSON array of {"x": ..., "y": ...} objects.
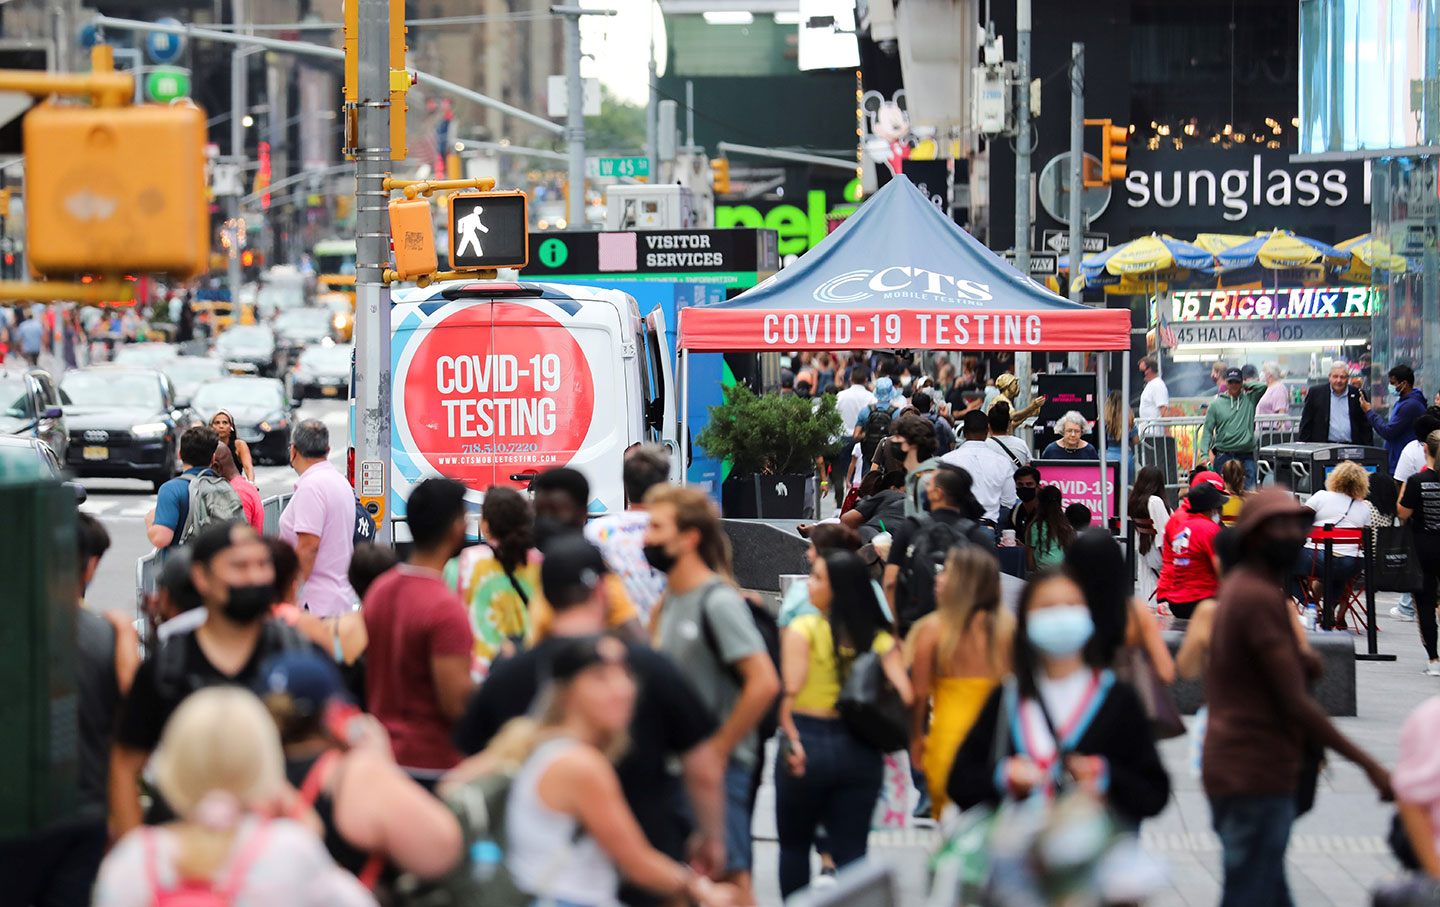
[{"x": 1332, "y": 413}]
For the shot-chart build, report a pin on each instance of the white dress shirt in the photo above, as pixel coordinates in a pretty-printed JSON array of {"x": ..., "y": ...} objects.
[{"x": 993, "y": 474}]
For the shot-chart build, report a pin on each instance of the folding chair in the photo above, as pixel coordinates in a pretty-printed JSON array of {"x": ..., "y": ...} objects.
[{"x": 1351, "y": 601}]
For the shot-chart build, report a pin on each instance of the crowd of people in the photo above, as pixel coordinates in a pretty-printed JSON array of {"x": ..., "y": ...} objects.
[{"x": 578, "y": 711}]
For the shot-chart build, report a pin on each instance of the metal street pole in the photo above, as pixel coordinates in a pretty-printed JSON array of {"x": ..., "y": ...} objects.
[
  {"x": 1077, "y": 176},
  {"x": 1022, "y": 169},
  {"x": 239, "y": 90},
  {"x": 652, "y": 106},
  {"x": 575, "y": 111},
  {"x": 372, "y": 248},
  {"x": 574, "y": 124}
]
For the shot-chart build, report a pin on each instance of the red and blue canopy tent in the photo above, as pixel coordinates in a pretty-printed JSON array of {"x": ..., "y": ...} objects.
[{"x": 900, "y": 274}]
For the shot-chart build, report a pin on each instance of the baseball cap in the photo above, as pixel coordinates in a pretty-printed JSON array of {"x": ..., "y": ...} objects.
[
  {"x": 1206, "y": 475},
  {"x": 309, "y": 679},
  {"x": 1205, "y": 496},
  {"x": 571, "y": 568},
  {"x": 884, "y": 390},
  {"x": 1233, "y": 374}
]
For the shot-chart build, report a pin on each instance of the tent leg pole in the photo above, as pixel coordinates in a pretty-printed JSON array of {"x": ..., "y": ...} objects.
[
  {"x": 1102, "y": 362},
  {"x": 684, "y": 417},
  {"x": 1125, "y": 452}
]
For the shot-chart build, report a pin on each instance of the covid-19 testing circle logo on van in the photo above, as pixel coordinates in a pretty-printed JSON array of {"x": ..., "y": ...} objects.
[{"x": 484, "y": 401}]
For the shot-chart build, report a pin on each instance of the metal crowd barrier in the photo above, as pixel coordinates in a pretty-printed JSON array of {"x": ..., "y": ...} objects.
[
  {"x": 148, "y": 567},
  {"x": 1172, "y": 444}
]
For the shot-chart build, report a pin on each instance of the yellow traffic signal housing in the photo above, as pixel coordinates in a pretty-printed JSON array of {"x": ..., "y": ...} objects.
[
  {"x": 1114, "y": 148},
  {"x": 413, "y": 235},
  {"x": 720, "y": 175},
  {"x": 116, "y": 189},
  {"x": 1113, "y": 151}
]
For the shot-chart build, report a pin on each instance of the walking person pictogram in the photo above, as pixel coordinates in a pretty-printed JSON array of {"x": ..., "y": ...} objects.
[{"x": 467, "y": 226}]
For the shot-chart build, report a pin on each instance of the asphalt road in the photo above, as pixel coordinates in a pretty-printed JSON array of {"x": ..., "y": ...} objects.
[{"x": 121, "y": 504}]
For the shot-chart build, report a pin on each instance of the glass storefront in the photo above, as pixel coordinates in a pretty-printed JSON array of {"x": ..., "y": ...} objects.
[{"x": 1406, "y": 214}]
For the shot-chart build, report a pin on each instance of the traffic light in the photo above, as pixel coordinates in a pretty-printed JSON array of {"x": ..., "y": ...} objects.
[
  {"x": 720, "y": 175},
  {"x": 1113, "y": 151},
  {"x": 116, "y": 189}
]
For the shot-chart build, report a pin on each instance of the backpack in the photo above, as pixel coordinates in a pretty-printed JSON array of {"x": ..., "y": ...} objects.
[
  {"x": 197, "y": 892},
  {"x": 877, "y": 429},
  {"x": 171, "y": 681},
  {"x": 930, "y": 544},
  {"x": 212, "y": 500},
  {"x": 364, "y": 525},
  {"x": 769, "y": 632},
  {"x": 481, "y": 878}
]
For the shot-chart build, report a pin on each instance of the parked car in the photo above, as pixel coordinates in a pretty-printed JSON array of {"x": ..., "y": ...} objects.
[
  {"x": 298, "y": 328},
  {"x": 32, "y": 408},
  {"x": 31, "y": 458},
  {"x": 322, "y": 371},
  {"x": 247, "y": 349},
  {"x": 124, "y": 423},
  {"x": 262, "y": 411},
  {"x": 187, "y": 373},
  {"x": 144, "y": 355}
]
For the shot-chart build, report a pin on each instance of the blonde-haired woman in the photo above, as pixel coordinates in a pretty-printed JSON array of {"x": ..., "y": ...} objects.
[
  {"x": 957, "y": 655},
  {"x": 565, "y": 798},
  {"x": 220, "y": 767},
  {"x": 1343, "y": 505}
]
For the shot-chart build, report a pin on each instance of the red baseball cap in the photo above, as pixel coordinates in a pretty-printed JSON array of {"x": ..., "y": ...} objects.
[{"x": 1206, "y": 475}]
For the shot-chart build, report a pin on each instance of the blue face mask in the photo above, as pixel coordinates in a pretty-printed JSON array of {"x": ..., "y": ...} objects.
[
  {"x": 1060, "y": 630},
  {"x": 1395, "y": 389}
]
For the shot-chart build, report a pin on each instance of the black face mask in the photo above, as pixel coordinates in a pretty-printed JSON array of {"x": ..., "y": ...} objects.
[
  {"x": 247, "y": 604},
  {"x": 659, "y": 558},
  {"x": 1026, "y": 494}
]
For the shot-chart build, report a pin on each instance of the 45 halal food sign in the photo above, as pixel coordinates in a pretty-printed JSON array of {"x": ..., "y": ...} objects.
[{"x": 480, "y": 401}]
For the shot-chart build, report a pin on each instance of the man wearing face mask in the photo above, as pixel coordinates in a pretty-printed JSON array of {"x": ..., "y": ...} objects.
[
  {"x": 417, "y": 671},
  {"x": 231, "y": 570},
  {"x": 1260, "y": 711}
]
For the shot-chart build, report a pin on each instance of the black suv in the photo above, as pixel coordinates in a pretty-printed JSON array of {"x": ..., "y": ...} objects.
[{"x": 124, "y": 423}]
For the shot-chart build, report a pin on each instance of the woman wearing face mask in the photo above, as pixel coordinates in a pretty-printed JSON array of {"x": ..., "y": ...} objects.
[
  {"x": 957, "y": 654},
  {"x": 826, "y": 774},
  {"x": 1067, "y": 722},
  {"x": 1191, "y": 571}
]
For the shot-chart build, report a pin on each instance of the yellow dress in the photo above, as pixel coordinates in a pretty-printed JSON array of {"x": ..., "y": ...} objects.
[{"x": 955, "y": 704}]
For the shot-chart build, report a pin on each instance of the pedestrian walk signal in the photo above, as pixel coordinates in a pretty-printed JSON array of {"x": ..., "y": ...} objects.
[{"x": 488, "y": 230}]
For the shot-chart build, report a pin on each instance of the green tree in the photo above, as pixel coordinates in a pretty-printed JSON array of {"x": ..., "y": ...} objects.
[
  {"x": 620, "y": 126},
  {"x": 773, "y": 433}
]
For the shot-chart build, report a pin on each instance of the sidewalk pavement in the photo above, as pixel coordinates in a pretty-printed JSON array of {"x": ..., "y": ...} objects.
[{"x": 1337, "y": 851}]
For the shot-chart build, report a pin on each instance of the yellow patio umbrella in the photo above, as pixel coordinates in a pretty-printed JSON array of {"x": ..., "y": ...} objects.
[
  {"x": 1276, "y": 249},
  {"x": 1366, "y": 254}
]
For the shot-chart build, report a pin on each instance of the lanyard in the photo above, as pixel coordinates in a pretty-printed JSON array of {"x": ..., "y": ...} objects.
[{"x": 1082, "y": 708}]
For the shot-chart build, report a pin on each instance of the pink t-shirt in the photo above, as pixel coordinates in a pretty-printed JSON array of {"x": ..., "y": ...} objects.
[
  {"x": 1416, "y": 777},
  {"x": 250, "y": 501},
  {"x": 324, "y": 506},
  {"x": 1275, "y": 401}
]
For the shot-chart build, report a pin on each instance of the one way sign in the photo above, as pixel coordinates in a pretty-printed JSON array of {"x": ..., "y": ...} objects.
[
  {"x": 489, "y": 230},
  {"x": 1090, "y": 243}
]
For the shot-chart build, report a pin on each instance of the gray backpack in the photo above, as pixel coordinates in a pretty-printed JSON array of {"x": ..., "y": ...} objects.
[{"x": 212, "y": 500}]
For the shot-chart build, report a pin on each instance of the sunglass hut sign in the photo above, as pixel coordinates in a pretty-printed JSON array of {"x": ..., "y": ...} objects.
[{"x": 1192, "y": 186}]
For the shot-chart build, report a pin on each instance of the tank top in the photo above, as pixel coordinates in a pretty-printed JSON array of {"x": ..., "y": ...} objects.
[{"x": 548, "y": 856}]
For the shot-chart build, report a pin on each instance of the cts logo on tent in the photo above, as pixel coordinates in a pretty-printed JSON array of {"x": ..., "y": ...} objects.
[{"x": 898, "y": 280}]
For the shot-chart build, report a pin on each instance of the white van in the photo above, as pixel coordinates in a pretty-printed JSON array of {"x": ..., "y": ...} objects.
[{"x": 495, "y": 382}]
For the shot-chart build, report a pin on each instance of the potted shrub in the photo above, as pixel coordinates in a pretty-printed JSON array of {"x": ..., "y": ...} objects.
[{"x": 772, "y": 442}]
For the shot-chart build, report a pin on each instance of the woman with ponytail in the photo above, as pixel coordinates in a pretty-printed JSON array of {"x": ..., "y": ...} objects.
[
  {"x": 219, "y": 766},
  {"x": 498, "y": 579}
]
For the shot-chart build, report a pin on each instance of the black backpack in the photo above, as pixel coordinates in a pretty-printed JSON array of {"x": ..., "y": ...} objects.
[
  {"x": 769, "y": 632},
  {"x": 930, "y": 543},
  {"x": 173, "y": 682},
  {"x": 877, "y": 429}
]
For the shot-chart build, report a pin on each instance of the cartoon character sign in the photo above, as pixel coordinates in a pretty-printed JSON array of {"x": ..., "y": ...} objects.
[{"x": 888, "y": 128}]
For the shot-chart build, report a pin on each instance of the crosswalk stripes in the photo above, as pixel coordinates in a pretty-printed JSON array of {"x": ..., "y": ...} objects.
[{"x": 118, "y": 509}]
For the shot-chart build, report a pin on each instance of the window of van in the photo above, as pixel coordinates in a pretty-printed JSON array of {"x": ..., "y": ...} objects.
[{"x": 650, "y": 378}]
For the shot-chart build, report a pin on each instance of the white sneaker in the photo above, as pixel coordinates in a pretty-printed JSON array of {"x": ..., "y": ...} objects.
[
  {"x": 1433, "y": 669},
  {"x": 1396, "y": 613}
]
